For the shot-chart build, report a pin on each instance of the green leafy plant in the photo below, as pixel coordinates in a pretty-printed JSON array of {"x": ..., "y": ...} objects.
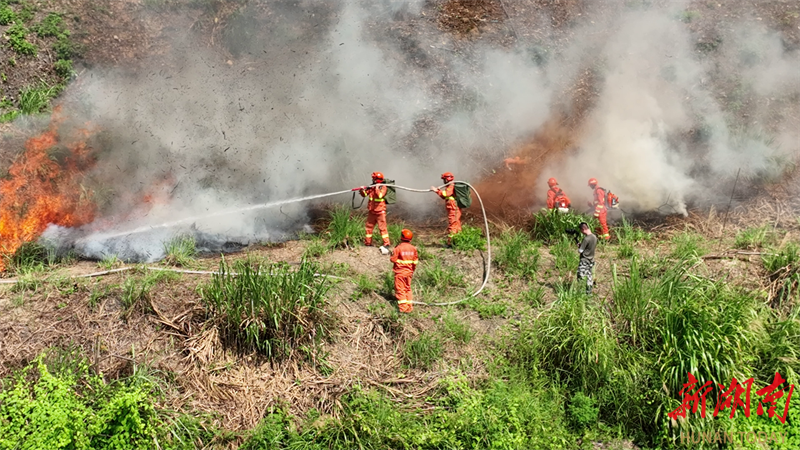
[
  {"x": 315, "y": 247},
  {"x": 52, "y": 25},
  {"x": 268, "y": 308},
  {"x": 583, "y": 411},
  {"x": 7, "y": 15},
  {"x": 470, "y": 238},
  {"x": 16, "y": 35},
  {"x": 517, "y": 255},
  {"x": 63, "y": 68}
]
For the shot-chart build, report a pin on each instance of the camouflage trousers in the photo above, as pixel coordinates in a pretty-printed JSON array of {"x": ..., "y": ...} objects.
[{"x": 585, "y": 271}]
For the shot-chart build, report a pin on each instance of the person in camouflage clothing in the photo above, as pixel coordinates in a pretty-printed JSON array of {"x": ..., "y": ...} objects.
[{"x": 586, "y": 250}]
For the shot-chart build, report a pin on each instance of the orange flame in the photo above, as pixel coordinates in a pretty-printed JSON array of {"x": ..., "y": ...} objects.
[{"x": 44, "y": 187}]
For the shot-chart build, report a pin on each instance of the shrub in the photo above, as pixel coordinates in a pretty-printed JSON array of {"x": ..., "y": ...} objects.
[
  {"x": 517, "y": 255},
  {"x": 470, "y": 238},
  {"x": 16, "y": 35},
  {"x": 180, "y": 250},
  {"x": 346, "y": 229},
  {"x": 52, "y": 25},
  {"x": 267, "y": 308},
  {"x": 583, "y": 411},
  {"x": 7, "y": 15},
  {"x": 423, "y": 351}
]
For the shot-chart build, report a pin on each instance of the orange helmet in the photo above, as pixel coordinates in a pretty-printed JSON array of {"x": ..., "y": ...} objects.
[
  {"x": 377, "y": 176},
  {"x": 552, "y": 182},
  {"x": 448, "y": 177},
  {"x": 406, "y": 235},
  {"x": 592, "y": 182}
]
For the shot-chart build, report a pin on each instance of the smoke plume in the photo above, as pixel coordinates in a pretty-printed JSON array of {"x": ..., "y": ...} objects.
[{"x": 317, "y": 95}]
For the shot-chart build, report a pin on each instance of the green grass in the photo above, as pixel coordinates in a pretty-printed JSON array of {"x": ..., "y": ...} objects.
[
  {"x": 109, "y": 262},
  {"x": 753, "y": 238},
  {"x": 316, "y": 246},
  {"x": 629, "y": 234},
  {"x": 52, "y": 25},
  {"x": 533, "y": 296},
  {"x": 550, "y": 225},
  {"x": 180, "y": 251},
  {"x": 423, "y": 351},
  {"x": 345, "y": 228},
  {"x": 395, "y": 230},
  {"x": 470, "y": 238},
  {"x": 136, "y": 290},
  {"x": 688, "y": 245},
  {"x": 565, "y": 252},
  {"x": 434, "y": 281},
  {"x": 268, "y": 308},
  {"x": 35, "y": 100},
  {"x": 783, "y": 272},
  {"x": 517, "y": 255},
  {"x": 456, "y": 328},
  {"x": 365, "y": 285}
]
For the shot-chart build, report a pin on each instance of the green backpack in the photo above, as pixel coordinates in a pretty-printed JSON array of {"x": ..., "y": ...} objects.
[
  {"x": 391, "y": 192},
  {"x": 463, "y": 195}
]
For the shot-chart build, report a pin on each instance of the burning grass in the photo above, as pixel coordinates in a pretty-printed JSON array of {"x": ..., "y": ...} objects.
[
  {"x": 44, "y": 187},
  {"x": 268, "y": 308}
]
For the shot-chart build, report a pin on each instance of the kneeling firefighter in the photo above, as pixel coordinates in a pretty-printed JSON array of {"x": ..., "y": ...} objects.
[
  {"x": 451, "y": 205},
  {"x": 405, "y": 259},
  {"x": 377, "y": 211}
]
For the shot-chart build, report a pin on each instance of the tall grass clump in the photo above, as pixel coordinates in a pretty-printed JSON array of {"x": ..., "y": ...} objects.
[
  {"x": 436, "y": 279},
  {"x": 346, "y": 229},
  {"x": 566, "y": 255},
  {"x": 688, "y": 245},
  {"x": 517, "y": 254},
  {"x": 783, "y": 270},
  {"x": 181, "y": 250},
  {"x": 753, "y": 238},
  {"x": 423, "y": 351},
  {"x": 573, "y": 342},
  {"x": 550, "y": 225},
  {"x": 267, "y": 308},
  {"x": 632, "y": 306},
  {"x": 470, "y": 238},
  {"x": 627, "y": 233}
]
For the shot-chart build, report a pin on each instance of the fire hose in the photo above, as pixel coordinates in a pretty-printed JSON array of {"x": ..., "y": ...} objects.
[{"x": 487, "y": 267}]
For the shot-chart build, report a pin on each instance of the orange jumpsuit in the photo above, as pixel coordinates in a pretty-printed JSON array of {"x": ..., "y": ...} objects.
[
  {"x": 405, "y": 261},
  {"x": 600, "y": 211},
  {"x": 556, "y": 198},
  {"x": 377, "y": 213},
  {"x": 453, "y": 211}
]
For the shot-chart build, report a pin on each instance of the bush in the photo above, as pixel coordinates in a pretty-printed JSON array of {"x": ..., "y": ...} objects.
[
  {"x": 346, "y": 229},
  {"x": 7, "y": 15},
  {"x": 16, "y": 35},
  {"x": 583, "y": 411},
  {"x": 517, "y": 254},
  {"x": 267, "y": 308},
  {"x": 470, "y": 238}
]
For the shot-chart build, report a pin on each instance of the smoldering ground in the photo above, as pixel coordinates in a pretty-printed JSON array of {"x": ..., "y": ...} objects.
[{"x": 311, "y": 97}]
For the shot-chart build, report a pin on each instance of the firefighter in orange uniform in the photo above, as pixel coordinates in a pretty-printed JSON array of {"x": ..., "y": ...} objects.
[
  {"x": 453, "y": 211},
  {"x": 600, "y": 209},
  {"x": 556, "y": 198},
  {"x": 377, "y": 211},
  {"x": 405, "y": 261}
]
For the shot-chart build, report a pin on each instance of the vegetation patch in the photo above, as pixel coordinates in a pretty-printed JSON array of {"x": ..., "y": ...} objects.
[
  {"x": 517, "y": 255},
  {"x": 268, "y": 308},
  {"x": 470, "y": 238}
]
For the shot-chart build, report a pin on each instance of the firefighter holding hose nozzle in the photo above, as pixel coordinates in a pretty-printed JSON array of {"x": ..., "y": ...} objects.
[
  {"x": 377, "y": 211},
  {"x": 451, "y": 205},
  {"x": 556, "y": 198}
]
